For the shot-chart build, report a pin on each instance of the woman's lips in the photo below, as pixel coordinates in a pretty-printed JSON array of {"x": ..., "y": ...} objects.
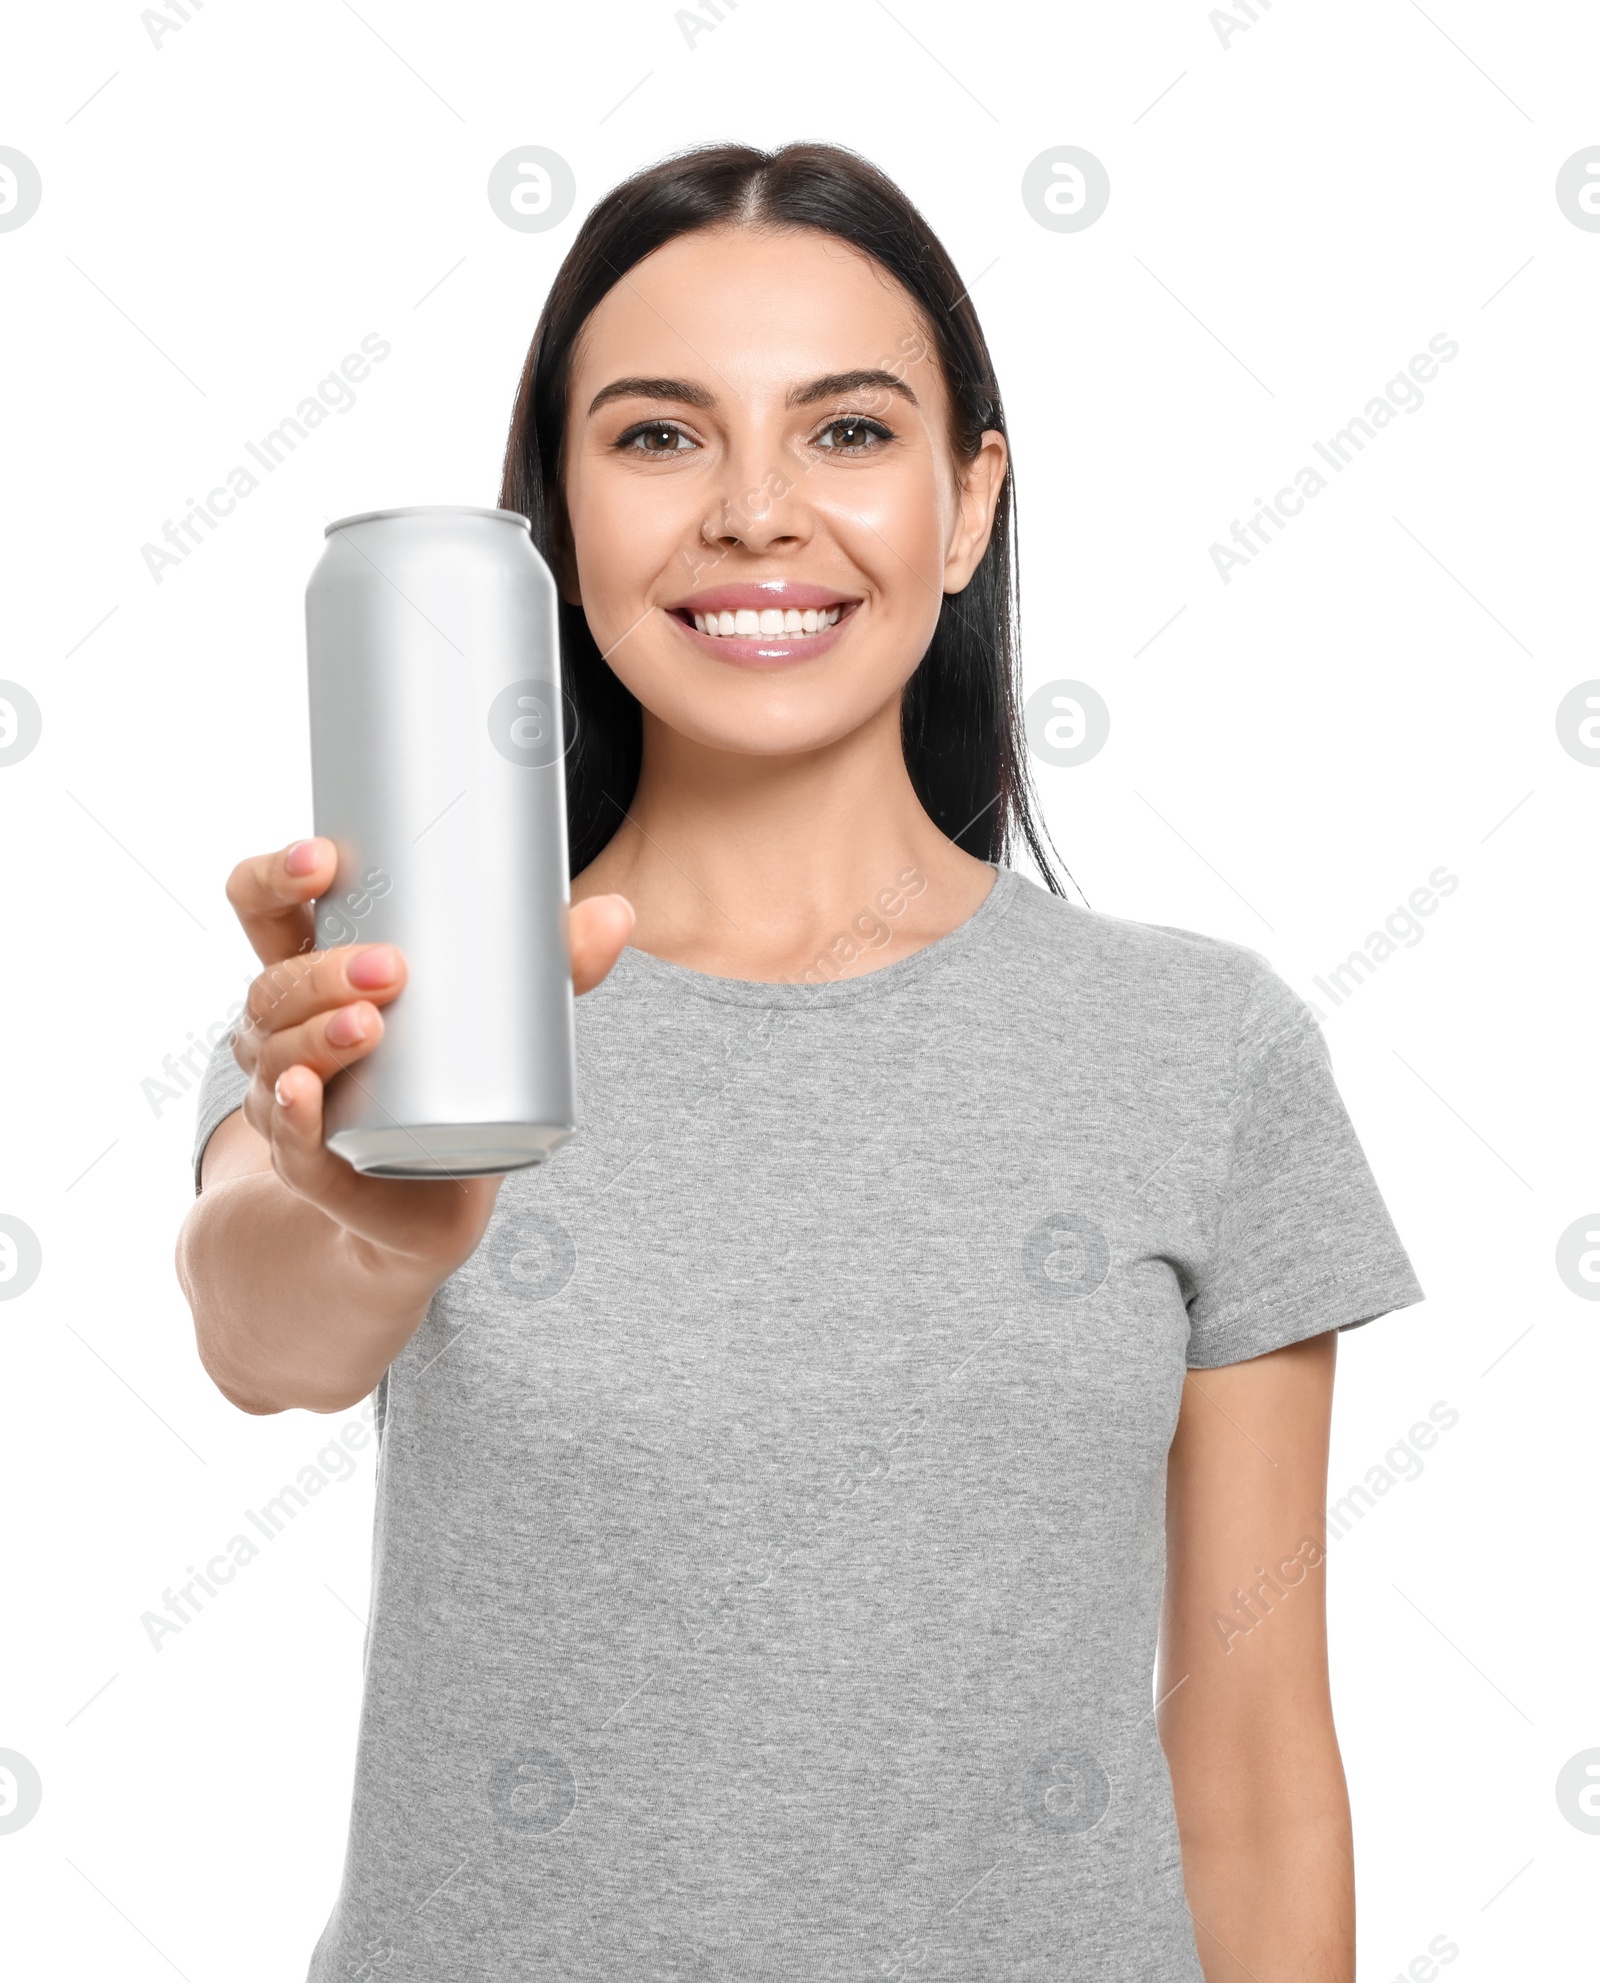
[{"x": 773, "y": 650}]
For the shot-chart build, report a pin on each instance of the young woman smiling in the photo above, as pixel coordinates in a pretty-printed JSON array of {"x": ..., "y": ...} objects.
[{"x": 780, "y": 1492}]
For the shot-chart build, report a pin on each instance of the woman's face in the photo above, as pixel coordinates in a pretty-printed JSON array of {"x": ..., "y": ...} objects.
[{"x": 757, "y": 426}]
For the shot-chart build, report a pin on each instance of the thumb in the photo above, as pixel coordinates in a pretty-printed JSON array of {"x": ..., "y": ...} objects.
[{"x": 597, "y": 929}]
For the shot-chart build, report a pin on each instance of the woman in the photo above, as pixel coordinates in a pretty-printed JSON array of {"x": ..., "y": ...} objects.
[{"x": 779, "y": 1492}]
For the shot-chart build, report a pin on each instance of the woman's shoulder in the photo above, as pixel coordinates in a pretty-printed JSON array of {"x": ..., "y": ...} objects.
[{"x": 1104, "y": 955}]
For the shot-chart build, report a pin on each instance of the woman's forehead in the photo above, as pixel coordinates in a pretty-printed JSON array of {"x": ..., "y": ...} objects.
[{"x": 751, "y": 310}]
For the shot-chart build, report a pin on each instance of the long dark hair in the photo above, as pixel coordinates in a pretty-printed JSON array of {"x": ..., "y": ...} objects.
[{"x": 960, "y": 720}]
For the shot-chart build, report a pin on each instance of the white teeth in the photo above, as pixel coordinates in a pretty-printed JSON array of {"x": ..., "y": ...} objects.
[{"x": 769, "y": 621}]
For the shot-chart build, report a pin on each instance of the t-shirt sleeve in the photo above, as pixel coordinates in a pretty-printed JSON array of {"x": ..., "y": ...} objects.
[
  {"x": 1302, "y": 1242},
  {"x": 223, "y": 1086}
]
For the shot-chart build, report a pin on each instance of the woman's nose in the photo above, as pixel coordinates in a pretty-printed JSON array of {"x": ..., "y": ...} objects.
[{"x": 761, "y": 507}]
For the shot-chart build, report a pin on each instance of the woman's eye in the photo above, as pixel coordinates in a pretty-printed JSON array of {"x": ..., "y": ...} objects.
[
  {"x": 851, "y": 434},
  {"x": 656, "y": 437}
]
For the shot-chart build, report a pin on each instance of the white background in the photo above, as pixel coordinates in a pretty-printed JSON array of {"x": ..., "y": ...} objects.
[{"x": 1293, "y": 215}]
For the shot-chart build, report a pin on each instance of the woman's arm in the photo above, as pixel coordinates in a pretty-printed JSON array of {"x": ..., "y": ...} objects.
[{"x": 1246, "y": 1720}]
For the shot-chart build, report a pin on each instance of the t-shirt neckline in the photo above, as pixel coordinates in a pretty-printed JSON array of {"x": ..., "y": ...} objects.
[{"x": 644, "y": 965}]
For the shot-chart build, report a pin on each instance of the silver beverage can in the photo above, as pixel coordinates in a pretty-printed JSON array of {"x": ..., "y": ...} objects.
[{"x": 437, "y": 743}]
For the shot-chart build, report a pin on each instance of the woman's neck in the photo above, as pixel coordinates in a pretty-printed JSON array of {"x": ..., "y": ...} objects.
[{"x": 781, "y": 868}]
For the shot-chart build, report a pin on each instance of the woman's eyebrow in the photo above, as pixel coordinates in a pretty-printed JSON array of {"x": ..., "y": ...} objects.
[
  {"x": 682, "y": 390},
  {"x": 838, "y": 384},
  {"x": 834, "y": 385}
]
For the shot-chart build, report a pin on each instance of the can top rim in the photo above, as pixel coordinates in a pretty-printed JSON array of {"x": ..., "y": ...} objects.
[{"x": 428, "y": 509}]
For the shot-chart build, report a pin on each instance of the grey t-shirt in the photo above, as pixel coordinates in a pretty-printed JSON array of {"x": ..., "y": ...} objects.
[{"x": 769, "y": 1537}]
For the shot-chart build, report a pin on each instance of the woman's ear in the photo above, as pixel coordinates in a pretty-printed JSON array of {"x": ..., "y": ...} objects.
[
  {"x": 566, "y": 565},
  {"x": 977, "y": 492}
]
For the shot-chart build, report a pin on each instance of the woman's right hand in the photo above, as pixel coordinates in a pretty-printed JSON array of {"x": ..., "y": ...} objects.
[{"x": 310, "y": 1014}]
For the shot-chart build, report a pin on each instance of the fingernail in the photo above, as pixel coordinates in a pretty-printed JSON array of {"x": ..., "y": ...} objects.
[
  {"x": 279, "y": 1093},
  {"x": 347, "y": 1026},
  {"x": 373, "y": 967},
  {"x": 301, "y": 857}
]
